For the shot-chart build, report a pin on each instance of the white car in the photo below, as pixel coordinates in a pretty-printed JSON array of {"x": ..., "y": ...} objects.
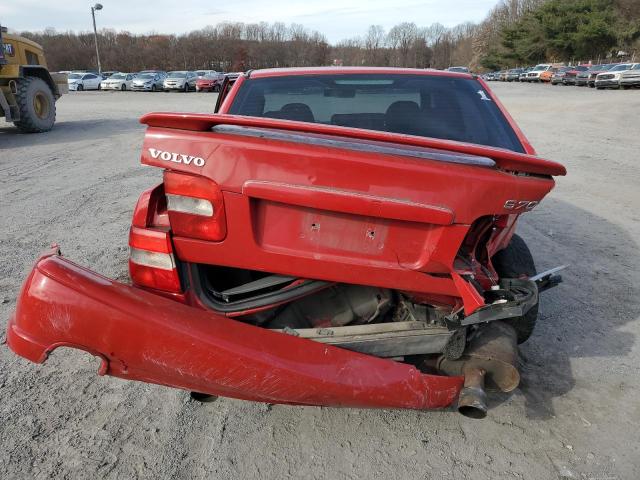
[
  {"x": 83, "y": 81},
  {"x": 535, "y": 72},
  {"x": 118, "y": 81},
  {"x": 611, "y": 78}
]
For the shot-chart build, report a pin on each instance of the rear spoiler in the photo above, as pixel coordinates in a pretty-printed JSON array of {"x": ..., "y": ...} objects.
[{"x": 506, "y": 159}]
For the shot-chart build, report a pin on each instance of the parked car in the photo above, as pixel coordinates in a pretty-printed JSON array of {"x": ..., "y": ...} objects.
[
  {"x": 287, "y": 258},
  {"x": 572, "y": 73},
  {"x": 232, "y": 76},
  {"x": 210, "y": 82},
  {"x": 631, "y": 78},
  {"x": 458, "y": 69},
  {"x": 180, "y": 80},
  {"x": 559, "y": 75},
  {"x": 523, "y": 75},
  {"x": 535, "y": 72},
  {"x": 148, "y": 81},
  {"x": 593, "y": 73},
  {"x": 118, "y": 81},
  {"x": 204, "y": 73},
  {"x": 502, "y": 76},
  {"x": 582, "y": 78},
  {"x": 513, "y": 75},
  {"x": 611, "y": 78},
  {"x": 547, "y": 74},
  {"x": 162, "y": 72},
  {"x": 490, "y": 76},
  {"x": 83, "y": 81}
]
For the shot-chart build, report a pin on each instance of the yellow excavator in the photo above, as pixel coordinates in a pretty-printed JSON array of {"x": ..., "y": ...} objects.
[{"x": 28, "y": 91}]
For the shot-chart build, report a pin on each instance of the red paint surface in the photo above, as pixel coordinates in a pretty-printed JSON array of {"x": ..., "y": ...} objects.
[
  {"x": 141, "y": 336},
  {"x": 335, "y": 214}
]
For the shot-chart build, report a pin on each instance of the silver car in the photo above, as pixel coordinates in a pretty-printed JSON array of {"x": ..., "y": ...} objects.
[
  {"x": 148, "y": 82},
  {"x": 611, "y": 78},
  {"x": 180, "y": 80},
  {"x": 631, "y": 78}
]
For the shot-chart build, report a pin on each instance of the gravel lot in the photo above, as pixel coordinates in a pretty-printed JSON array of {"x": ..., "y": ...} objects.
[{"x": 575, "y": 416}]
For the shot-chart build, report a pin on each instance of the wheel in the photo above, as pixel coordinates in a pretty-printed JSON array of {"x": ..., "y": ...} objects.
[
  {"x": 186, "y": 87},
  {"x": 99, "y": 87},
  {"x": 513, "y": 262},
  {"x": 624, "y": 87},
  {"x": 153, "y": 87},
  {"x": 36, "y": 104},
  {"x": 80, "y": 87},
  {"x": 216, "y": 88},
  {"x": 123, "y": 87}
]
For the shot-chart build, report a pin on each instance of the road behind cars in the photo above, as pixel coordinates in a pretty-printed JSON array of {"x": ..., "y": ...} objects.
[{"x": 575, "y": 415}]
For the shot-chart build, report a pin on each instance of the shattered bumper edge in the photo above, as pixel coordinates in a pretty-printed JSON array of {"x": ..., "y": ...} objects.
[{"x": 141, "y": 336}]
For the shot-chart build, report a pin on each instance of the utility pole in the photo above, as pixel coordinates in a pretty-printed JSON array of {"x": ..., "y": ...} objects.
[{"x": 97, "y": 6}]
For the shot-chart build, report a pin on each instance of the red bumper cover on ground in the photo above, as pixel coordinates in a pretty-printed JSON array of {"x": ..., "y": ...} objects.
[{"x": 142, "y": 336}]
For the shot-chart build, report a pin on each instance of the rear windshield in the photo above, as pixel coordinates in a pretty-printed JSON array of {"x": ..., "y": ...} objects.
[{"x": 428, "y": 106}]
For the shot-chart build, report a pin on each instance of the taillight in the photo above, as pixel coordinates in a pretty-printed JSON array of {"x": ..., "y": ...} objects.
[
  {"x": 196, "y": 207},
  {"x": 151, "y": 260}
]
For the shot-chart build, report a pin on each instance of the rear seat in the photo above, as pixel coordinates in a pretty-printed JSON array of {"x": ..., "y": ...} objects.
[{"x": 370, "y": 121}]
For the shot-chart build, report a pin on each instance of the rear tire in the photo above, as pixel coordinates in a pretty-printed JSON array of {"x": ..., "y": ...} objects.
[
  {"x": 123, "y": 87},
  {"x": 516, "y": 261},
  {"x": 37, "y": 105}
]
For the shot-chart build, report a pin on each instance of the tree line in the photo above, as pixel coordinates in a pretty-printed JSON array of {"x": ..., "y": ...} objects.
[{"x": 515, "y": 32}]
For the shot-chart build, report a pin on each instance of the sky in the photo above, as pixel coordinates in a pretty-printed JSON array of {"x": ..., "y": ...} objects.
[{"x": 337, "y": 19}]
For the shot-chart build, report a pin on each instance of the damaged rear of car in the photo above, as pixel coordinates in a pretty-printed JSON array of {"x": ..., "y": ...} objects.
[{"x": 332, "y": 236}]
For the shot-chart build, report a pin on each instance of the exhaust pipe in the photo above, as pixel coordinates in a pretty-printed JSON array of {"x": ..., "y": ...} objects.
[
  {"x": 489, "y": 359},
  {"x": 472, "y": 401}
]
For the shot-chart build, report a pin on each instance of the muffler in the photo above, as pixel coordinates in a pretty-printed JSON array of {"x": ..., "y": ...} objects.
[{"x": 489, "y": 361}]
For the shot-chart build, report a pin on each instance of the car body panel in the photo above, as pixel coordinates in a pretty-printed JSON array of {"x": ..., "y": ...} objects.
[
  {"x": 141, "y": 336},
  {"x": 408, "y": 255}
]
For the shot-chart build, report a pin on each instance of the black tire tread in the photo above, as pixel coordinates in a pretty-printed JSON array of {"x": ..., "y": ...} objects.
[
  {"x": 27, "y": 123},
  {"x": 513, "y": 262}
]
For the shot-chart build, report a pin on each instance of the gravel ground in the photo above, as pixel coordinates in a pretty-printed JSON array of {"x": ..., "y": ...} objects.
[{"x": 575, "y": 416}]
